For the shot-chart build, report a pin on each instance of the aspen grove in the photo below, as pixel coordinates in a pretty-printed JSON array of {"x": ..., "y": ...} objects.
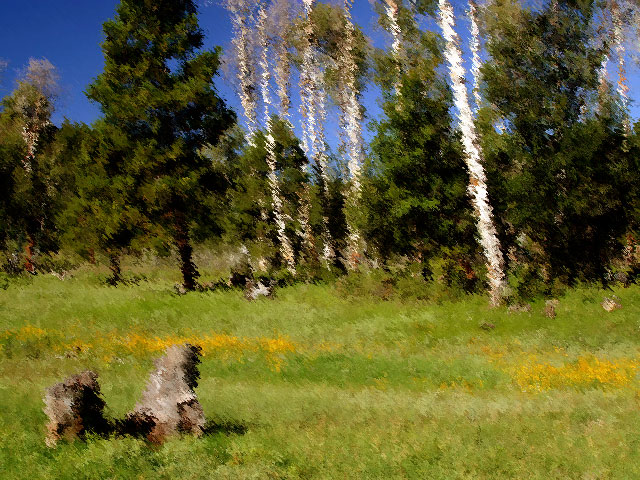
[{"x": 504, "y": 158}]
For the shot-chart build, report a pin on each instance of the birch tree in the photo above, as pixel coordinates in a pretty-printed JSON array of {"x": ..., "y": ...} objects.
[
  {"x": 313, "y": 103},
  {"x": 241, "y": 13},
  {"x": 351, "y": 131},
  {"x": 33, "y": 102},
  {"x": 391, "y": 9},
  {"x": 477, "y": 178},
  {"x": 619, "y": 46},
  {"x": 474, "y": 43},
  {"x": 285, "y": 247},
  {"x": 416, "y": 202},
  {"x": 246, "y": 62}
]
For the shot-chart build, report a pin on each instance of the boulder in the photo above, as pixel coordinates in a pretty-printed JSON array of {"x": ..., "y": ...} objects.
[
  {"x": 254, "y": 290},
  {"x": 169, "y": 404},
  {"x": 550, "y": 308},
  {"x": 611, "y": 304},
  {"x": 75, "y": 407}
]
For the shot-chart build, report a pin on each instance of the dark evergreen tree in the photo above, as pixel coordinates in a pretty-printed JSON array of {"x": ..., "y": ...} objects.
[
  {"x": 416, "y": 196},
  {"x": 560, "y": 176},
  {"x": 157, "y": 96},
  {"x": 101, "y": 217}
]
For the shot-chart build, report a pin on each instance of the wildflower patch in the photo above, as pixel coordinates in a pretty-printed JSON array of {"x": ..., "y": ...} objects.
[{"x": 585, "y": 372}]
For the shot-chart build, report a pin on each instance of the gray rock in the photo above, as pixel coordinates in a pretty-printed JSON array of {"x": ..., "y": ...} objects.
[
  {"x": 550, "y": 308},
  {"x": 75, "y": 407},
  {"x": 611, "y": 304},
  {"x": 169, "y": 404},
  {"x": 255, "y": 290}
]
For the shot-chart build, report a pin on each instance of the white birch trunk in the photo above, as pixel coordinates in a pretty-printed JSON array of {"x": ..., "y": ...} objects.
[
  {"x": 351, "y": 123},
  {"x": 36, "y": 111},
  {"x": 239, "y": 10},
  {"x": 618, "y": 39},
  {"x": 474, "y": 43},
  {"x": 286, "y": 250},
  {"x": 477, "y": 178},
  {"x": 307, "y": 85},
  {"x": 34, "y": 125},
  {"x": 307, "y": 112},
  {"x": 313, "y": 112},
  {"x": 391, "y": 10},
  {"x": 282, "y": 69},
  {"x": 320, "y": 158}
]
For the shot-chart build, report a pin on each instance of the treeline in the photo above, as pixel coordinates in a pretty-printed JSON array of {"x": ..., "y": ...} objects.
[{"x": 530, "y": 183}]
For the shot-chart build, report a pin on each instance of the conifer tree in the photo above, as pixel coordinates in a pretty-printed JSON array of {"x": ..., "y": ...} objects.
[
  {"x": 560, "y": 179},
  {"x": 416, "y": 199},
  {"x": 157, "y": 93}
]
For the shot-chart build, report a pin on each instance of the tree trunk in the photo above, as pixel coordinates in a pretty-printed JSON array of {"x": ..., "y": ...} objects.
[
  {"x": 474, "y": 44},
  {"x": 320, "y": 158},
  {"x": 351, "y": 129},
  {"x": 391, "y": 10},
  {"x": 28, "y": 250},
  {"x": 477, "y": 178},
  {"x": 185, "y": 250},
  {"x": 240, "y": 13},
  {"x": 286, "y": 249},
  {"x": 114, "y": 266}
]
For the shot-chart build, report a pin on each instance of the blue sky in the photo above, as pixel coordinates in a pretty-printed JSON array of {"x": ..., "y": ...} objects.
[{"x": 69, "y": 32}]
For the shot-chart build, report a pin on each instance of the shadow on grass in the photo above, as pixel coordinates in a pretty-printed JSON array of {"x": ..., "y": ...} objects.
[
  {"x": 213, "y": 427},
  {"x": 141, "y": 428}
]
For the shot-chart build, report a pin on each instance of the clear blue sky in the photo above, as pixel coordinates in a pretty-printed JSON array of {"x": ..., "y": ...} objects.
[{"x": 69, "y": 32}]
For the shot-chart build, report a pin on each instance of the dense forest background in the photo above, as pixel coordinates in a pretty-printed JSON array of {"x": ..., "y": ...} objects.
[{"x": 520, "y": 177}]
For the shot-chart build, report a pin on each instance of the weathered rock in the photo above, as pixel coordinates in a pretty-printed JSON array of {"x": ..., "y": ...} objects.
[
  {"x": 255, "y": 290},
  {"x": 180, "y": 289},
  {"x": 550, "y": 308},
  {"x": 611, "y": 304},
  {"x": 169, "y": 404},
  {"x": 75, "y": 407}
]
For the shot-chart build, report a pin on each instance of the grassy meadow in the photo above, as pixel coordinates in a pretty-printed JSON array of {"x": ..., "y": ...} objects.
[{"x": 322, "y": 382}]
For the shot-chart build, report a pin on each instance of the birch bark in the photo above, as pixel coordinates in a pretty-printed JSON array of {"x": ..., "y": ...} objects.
[
  {"x": 286, "y": 250},
  {"x": 477, "y": 179},
  {"x": 313, "y": 112},
  {"x": 351, "y": 129}
]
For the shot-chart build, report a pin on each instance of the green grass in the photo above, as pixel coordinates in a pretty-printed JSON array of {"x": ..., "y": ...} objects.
[{"x": 372, "y": 389}]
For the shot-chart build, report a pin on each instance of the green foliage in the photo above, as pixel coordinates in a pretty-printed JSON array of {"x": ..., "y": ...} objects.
[
  {"x": 165, "y": 116},
  {"x": 251, "y": 211},
  {"x": 32, "y": 186},
  {"x": 559, "y": 177},
  {"x": 416, "y": 191},
  {"x": 328, "y": 33}
]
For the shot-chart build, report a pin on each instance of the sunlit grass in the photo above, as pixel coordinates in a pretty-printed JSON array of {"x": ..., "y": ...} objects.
[{"x": 331, "y": 386}]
